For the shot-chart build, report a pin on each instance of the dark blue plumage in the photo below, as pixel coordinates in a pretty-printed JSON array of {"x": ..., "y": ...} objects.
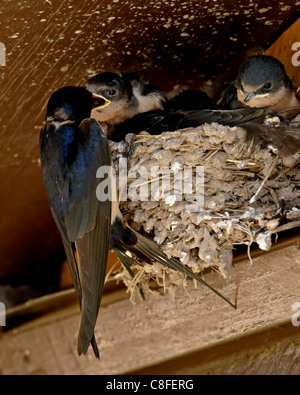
[{"x": 72, "y": 147}]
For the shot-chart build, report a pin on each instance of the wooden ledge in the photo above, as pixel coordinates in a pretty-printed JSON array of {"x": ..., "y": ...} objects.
[{"x": 193, "y": 332}]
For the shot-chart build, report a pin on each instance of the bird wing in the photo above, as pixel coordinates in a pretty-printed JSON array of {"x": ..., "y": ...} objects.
[
  {"x": 229, "y": 100},
  {"x": 224, "y": 117},
  {"x": 157, "y": 122},
  {"x": 286, "y": 139},
  {"x": 88, "y": 224},
  {"x": 153, "y": 122}
]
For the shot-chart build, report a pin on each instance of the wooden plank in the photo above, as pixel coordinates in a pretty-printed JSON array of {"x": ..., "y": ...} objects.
[
  {"x": 162, "y": 328},
  {"x": 266, "y": 351},
  {"x": 283, "y": 50},
  {"x": 52, "y": 302}
]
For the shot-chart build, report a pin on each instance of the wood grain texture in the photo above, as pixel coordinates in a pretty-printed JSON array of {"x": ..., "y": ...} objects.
[
  {"x": 271, "y": 350},
  {"x": 163, "y": 328},
  {"x": 282, "y": 50}
]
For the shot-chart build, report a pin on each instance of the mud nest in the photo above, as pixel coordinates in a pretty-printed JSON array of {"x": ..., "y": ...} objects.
[{"x": 216, "y": 195}]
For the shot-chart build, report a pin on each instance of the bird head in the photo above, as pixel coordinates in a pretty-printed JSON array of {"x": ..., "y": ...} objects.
[
  {"x": 262, "y": 82},
  {"x": 69, "y": 104},
  {"x": 111, "y": 93}
]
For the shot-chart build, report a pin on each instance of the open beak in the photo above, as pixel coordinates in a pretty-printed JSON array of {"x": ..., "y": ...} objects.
[
  {"x": 100, "y": 101},
  {"x": 248, "y": 96}
]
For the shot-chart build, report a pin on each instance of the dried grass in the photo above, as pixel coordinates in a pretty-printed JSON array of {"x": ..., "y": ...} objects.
[{"x": 248, "y": 196}]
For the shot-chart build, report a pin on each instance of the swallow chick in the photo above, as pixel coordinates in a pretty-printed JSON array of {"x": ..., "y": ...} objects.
[
  {"x": 121, "y": 96},
  {"x": 262, "y": 82},
  {"x": 72, "y": 149}
]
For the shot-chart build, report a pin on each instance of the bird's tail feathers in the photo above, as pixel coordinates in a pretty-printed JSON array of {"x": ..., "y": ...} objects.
[
  {"x": 284, "y": 138},
  {"x": 148, "y": 249},
  {"x": 81, "y": 347}
]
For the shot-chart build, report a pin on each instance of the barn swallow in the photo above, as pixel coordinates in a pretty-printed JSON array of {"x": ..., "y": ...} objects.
[
  {"x": 72, "y": 148},
  {"x": 262, "y": 82},
  {"x": 122, "y": 96}
]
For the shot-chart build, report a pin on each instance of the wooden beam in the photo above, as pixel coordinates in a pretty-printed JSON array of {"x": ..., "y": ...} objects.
[
  {"x": 189, "y": 325},
  {"x": 283, "y": 50},
  {"x": 274, "y": 349}
]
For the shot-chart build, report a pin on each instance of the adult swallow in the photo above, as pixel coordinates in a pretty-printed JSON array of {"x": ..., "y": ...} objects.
[
  {"x": 121, "y": 96},
  {"x": 262, "y": 82},
  {"x": 72, "y": 148}
]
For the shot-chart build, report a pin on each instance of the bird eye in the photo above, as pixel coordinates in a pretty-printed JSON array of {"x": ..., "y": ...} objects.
[
  {"x": 268, "y": 85},
  {"x": 112, "y": 92}
]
